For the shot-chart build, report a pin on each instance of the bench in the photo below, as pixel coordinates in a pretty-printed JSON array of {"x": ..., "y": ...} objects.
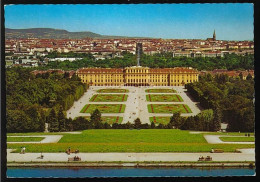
[
  {"x": 216, "y": 151},
  {"x": 74, "y": 159}
]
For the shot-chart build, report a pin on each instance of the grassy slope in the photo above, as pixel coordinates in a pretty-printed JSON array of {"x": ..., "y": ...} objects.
[
  {"x": 24, "y": 139},
  {"x": 153, "y": 140},
  {"x": 237, "y": 139}
]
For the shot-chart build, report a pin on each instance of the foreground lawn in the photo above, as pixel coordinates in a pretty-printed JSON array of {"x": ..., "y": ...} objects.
[
  {"x": 104, "y": 108},
  {"x": 108, "y": 98},
  {"x": 125, "y": 140},
  {"x": 163, "y": 98},
  {"x": 112, "y": 90},
  {"x": 237, "y": 139},
  {"x": 160, "y": 90},
  {"x": 109, "y": 119},
  {"x": 168, "y": 108},
  {"x": 24, "y": 139}
]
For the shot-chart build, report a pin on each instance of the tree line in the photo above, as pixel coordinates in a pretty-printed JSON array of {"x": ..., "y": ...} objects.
[
  {"x": 231, "y": 98},
  {"x": 159, "y": 60},
  {"x": 29, "y": 98}
]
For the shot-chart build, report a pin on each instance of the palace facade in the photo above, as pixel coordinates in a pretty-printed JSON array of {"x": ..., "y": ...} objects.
[{"x": 138, "y": 76}]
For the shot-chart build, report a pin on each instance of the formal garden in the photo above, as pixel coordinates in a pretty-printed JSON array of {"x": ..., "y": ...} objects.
[
  {"x": 164, "y": 98},
  {"x": 109, "y": 119},
  {"x": 160, "y": 120},
  {"x": 112, "y": 90},
  {"x": 108, "y": 98},
  {"x": 104, "y": 108},
  {"x": 168, "y": 108},
  {"x": 160, "y": 90}
]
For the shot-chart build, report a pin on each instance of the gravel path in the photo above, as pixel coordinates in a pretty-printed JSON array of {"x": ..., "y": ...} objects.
[
  {"x": 136, "y": 104},
  {"x": 27, "y": 157},
  {"x": 47, "y": 138}
]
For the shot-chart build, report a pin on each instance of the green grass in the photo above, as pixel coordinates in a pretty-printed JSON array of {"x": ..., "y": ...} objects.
[
  {"x": 104, "y": 108},
  {"x": 237, "y": 139},
  {"x": 113, "y": 90},
  {"x": 24, "y": 139},
  {"x": 124, "y": 140},
  {"x": 108, "y": 98},
  {"x": 168, "y": 108},
  {"x": 160, "y": 90},
  {"x": 163, "y": 98},
  {"x": 109, "y": 119},
  {"x": 160, "y": 119}
]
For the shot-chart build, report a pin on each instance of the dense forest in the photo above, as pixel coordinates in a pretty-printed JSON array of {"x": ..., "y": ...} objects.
[
  {"x": 29, "y": 98},
  {"x": 231, "y": 99},
  {"x": 163, "y": 60}
]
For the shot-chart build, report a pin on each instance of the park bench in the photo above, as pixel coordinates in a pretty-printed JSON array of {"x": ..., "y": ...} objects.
[
  {"x": 208, "y": 158},
  {"x": 74, "y": 158},
  {"x": 217, "y": 151}
]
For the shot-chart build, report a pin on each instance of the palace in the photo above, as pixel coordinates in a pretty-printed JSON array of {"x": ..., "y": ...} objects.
[{"x": 138, "y": 76}]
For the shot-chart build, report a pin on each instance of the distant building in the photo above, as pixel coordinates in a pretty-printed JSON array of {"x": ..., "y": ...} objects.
[
  {"x": 138, "y": 76},
  {"x": 213, "y": 37}
]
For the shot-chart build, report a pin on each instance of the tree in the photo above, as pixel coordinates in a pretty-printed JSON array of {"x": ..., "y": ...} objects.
[
  {"x": 61, "y": 120},
  {"x": 152, "y": 125},
  {"x": 215, "y": 125},
  {"x": 137, "y": 123},
  {"x": 53, "y": 121},
  {"x": 95, "y": 118},
  {"x": 175, "y": 120},
  {"x": 249, "y": 77}
]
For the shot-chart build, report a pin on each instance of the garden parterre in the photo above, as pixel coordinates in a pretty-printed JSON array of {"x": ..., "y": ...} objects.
[
  {"x": 112, "y": 90},
  {"x": 164, "y": 98},
  {"x": 160, "y": 90},
  {"x": 109, "y": 119},
  {"x": 108, "y": 98},
  {"x": 168, "y": 108},
  {"x": 104, "y": 108}
]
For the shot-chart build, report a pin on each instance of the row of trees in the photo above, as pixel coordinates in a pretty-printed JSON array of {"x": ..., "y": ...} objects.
[
  {"x": 232, "y": 97},
  {"x": 29, "y": 98},
  {"x": 162, "y": 60}
]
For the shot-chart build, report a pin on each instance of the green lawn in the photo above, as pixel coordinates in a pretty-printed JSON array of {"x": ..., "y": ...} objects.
[
  {"x": 160, "y": 90},
  {"x": 113, "y": 90},
  {"x": 108, "y": 98},
  {"x": 104, "y": 108},
  {"x": 125, "y": 140},
  {"x": 109, "y": 119},
  {"x": 160, "y": 119},
  {"x": 24, "y": 139},
  {"x": 237, "y": 139},
  {"x": 168, "y": 108},
  {"x": 164, "y": 98}
]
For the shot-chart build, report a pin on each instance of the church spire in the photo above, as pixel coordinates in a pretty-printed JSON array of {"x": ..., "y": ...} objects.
[{"x": 214, "y": 35}]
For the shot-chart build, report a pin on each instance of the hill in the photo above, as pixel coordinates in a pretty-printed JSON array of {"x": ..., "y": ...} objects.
[{"x": 50, "y": 33}]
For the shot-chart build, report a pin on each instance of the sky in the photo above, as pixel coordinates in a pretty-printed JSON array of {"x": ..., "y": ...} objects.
[{"x": 232, "y": 21}]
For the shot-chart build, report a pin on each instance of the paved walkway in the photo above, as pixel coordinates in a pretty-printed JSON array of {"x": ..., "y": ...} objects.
[
  {"x": 129, "y": 157},
  {"x": 47, "y": 138},
  {"x": 136, "y": 104},
  {"x": 214, "y": 139}
]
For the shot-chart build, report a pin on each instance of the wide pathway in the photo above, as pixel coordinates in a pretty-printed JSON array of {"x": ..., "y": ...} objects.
[{"x": 128, "y": 157}]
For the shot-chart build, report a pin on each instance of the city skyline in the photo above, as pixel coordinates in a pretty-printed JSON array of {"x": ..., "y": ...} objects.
[{"x": 167, "y": 21}]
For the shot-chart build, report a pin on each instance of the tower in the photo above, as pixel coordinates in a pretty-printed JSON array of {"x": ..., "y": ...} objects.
[
  {"x": 214, "y": 35},
  {"x": 139, "y": 50}
]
